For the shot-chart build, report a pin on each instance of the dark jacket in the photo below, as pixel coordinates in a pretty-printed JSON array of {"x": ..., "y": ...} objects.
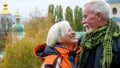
[
  {"x": 91, "y": 57},
  {"x": 50, "y": 55}
]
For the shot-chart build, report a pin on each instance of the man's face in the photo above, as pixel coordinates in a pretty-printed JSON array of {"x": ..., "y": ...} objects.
[{"x": 90, "y": 20}]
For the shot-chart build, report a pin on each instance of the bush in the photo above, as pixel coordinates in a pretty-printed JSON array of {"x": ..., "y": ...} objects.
[
  {"x": 20, "y": 55},
  {"x": 19, "y": 52}
]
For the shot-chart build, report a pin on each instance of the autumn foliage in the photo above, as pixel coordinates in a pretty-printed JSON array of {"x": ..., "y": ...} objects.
[{"x": 19, "y": 52}]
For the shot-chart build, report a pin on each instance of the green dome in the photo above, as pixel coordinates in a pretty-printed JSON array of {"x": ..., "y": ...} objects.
[{"x": 18, "y": 27}]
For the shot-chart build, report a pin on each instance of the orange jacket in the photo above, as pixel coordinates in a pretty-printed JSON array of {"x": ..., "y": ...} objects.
[{"x": 57, "y": 56}]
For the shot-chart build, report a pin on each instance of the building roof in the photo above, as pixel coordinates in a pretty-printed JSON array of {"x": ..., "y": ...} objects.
[
  {"x": 112, "y": 1},
  {"x": 116, "y": 18},
  {"x": 79, "y": 34},
  {"x": 18, "y": 28},
  {"x": 5, "y": 9}
]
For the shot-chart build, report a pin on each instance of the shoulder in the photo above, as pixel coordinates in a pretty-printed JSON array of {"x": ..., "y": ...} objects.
[
  {"x": 79, "y": 41},
  {"x": 116, "y": 41},
  {"x": 116, "y": 53},
  {"x": 39, "y": 49},
  {"x": 116, "y": 44}
]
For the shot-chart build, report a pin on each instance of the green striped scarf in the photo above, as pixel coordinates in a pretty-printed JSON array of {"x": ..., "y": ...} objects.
[{"x": 104, "y": 35}]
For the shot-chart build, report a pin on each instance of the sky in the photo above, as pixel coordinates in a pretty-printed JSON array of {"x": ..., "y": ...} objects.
[{"x": 25, "y": 7}]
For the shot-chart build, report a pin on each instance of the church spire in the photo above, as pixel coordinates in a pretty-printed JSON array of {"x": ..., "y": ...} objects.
[
  {"x": 5, "y": 9},
  {"x": 17, "y": 17}
]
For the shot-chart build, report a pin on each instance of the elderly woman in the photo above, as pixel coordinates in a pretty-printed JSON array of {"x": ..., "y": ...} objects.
[{"x": 60, "y": 50}]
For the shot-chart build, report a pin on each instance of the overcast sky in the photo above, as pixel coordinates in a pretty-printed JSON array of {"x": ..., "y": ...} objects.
[{"x": 25, "y": 7}]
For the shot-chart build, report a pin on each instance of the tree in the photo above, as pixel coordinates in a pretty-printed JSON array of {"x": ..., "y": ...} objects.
[
  {"x": 2, "y": 42},
  {"x": 44, "y": 27},
  {"x": 51, "y": 8},
  {"x": 75, "y": 18},
  {"x": 69, "y": 16},
  {"x": 20, "y": 54},
  {"x": 58, "y": 13},
  {"x": 5, "y": 28},
  {"x": 6, "y": 24},
  {"x": 78, "y": 19},
  {"x": 32, "y": 26},
  {"x": 51, "y": 12}
]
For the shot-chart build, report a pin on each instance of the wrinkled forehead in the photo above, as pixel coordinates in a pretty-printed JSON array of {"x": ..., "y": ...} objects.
[{"x": 87, "y": 10}]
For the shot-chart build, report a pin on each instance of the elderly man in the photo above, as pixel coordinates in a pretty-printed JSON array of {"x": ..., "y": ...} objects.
[{"x": 101, "y": 43}]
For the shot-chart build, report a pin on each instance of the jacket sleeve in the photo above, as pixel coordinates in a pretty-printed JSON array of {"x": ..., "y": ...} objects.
[
  {"x": 38, "y": 48},
  {"x": 116, "y": 54},
  {"x": 55, "y": 64}
]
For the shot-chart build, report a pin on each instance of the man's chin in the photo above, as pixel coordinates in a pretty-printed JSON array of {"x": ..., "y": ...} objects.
[{"x": 89, "y": 31}]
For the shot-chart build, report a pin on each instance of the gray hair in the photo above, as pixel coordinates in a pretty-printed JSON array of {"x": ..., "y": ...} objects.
[
  {"x": 57, "y": 32},
  {"x": 100, "y": 6}
]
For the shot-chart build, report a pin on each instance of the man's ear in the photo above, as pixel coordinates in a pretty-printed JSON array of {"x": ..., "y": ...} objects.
[{"x": 99, "y": 15}]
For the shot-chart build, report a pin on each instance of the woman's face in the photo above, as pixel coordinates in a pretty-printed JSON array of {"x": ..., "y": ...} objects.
[{"x": 69, "y": 37}]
